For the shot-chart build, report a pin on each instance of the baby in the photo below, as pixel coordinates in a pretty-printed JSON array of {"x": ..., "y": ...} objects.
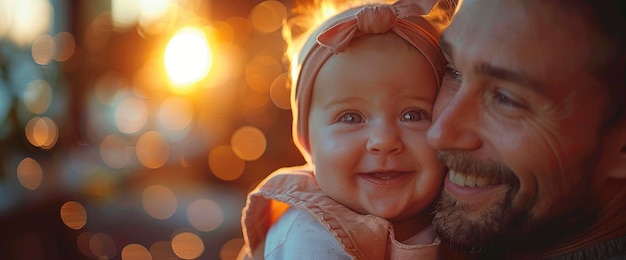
[{"x": 362, "y": 103}]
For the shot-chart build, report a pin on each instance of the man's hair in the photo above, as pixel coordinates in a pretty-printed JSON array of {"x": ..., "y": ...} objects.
[{"x": 608, "y": 19}]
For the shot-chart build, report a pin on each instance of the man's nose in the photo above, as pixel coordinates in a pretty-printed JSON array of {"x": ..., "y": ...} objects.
[{"x": 456, "y": 119}]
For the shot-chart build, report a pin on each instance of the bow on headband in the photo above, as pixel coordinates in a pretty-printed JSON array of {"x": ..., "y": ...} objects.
[
  {"x": 373, "y": 20},
  {"x": 337, "y": 36}
]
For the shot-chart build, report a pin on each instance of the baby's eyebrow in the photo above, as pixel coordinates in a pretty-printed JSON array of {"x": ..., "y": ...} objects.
[{"x": 338, "y": 101}]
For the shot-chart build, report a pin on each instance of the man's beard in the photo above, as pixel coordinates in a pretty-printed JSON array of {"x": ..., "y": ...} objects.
[{"x": 474, "y": 232}]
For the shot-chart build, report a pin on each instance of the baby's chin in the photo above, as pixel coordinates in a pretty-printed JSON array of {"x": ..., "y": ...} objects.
[{"x": 392, "y": 211}]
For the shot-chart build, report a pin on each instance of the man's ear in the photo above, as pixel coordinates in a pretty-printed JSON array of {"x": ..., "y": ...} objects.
[{"x": 616, "y": 150}]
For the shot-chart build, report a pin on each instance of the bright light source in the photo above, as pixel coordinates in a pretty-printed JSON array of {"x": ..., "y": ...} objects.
[{"x": 188, "y": 57}]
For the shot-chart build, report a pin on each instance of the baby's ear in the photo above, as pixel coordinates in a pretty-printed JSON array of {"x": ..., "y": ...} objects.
[{"x": 616, "y": 150}]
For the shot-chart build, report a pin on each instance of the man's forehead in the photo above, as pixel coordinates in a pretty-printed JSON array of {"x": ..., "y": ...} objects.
[{"x": 509, "y": 33}]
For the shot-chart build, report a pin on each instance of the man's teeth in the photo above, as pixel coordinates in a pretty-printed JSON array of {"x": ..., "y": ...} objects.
[{"x": 468, "y": 181}]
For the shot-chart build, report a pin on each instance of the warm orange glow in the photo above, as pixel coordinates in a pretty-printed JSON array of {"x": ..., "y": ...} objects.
[{"x": 188, "y": 58}]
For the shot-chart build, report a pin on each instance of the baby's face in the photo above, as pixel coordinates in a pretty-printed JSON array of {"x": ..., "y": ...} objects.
[{"x": 370, "y": 110}]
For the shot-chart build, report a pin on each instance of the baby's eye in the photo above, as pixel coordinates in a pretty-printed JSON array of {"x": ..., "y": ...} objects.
[
  {"x": 351, "y": 118},
  {"x": 415, "y": 115}
]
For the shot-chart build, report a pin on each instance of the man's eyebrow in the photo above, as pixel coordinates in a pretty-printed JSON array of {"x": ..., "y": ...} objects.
[
  {"x": 518, "y": 78},
  {"x": 495, "y": 72}
]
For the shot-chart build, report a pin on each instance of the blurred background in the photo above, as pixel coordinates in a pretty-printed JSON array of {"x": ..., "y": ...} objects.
[{"x": 133, "y": 129}]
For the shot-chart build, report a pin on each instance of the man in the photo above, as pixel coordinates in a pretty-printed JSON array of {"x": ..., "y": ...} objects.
[{"x": 530, "y": 122}]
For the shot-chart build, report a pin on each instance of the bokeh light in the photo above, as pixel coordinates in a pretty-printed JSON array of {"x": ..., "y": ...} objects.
[
  {"x": 205, "y": 215},
  {"x": 152, "y": 150},
  {"x": 102, "y": 246},
  {"x": 109, "y": 84},
  {"x": 29, "y": 173},
  {"x": 124, "y": 13},
  {"x": 152, "y": 10},
  {"x": 188, "y": 58},
  {"x": 268, "y": 16},
  {"x": 162, "y": 250},
  {"x": 65, "y": 46},
  {"x": 42, "y": 132},
  {"x": 187, "y": 245},
  {"x": 131, "y": 115},
  {"x": 98, "y": 33},
  {"x": 82, "y": 242},
  {"x": 159, "y": 202},
  {"x": 135, "y": 252},
  {"x": 248, "y": 143},
  {"x": 261, "y": 71},
  {"x": 225, "y": 164},
  {"x": 280, "y": 91},
  {"x": 25, "y": 20},
  {"x": 113, "y": 151},
  {"x": 73, "y": 215},
  {"x": 43, "y": 49},
  {"x": 175, "y": 114},
  {"x": 134, "y": 128},
  {"x": 37, "y": 96}
]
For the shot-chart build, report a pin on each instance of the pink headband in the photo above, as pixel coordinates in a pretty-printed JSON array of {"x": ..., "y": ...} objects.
[{"x": 337, "y": 36}]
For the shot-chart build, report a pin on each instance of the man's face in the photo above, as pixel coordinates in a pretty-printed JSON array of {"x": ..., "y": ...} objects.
[{"x": 517, "y": 120}]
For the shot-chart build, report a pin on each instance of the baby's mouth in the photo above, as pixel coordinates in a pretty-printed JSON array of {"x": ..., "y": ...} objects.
[
  {"x": 385, "y": 175},
  {"x": 386, "y": 178}
]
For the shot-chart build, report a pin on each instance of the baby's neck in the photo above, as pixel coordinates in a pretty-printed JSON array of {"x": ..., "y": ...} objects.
[{"x": 410, "y": 229}]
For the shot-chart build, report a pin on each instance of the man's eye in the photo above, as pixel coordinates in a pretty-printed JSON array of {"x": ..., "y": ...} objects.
[
  {"x": 505, "y": 101},
  {"x": 415, "y": 115},
  {"x": 453, "y": 74},
  {"x": 351, "y": 118}
]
